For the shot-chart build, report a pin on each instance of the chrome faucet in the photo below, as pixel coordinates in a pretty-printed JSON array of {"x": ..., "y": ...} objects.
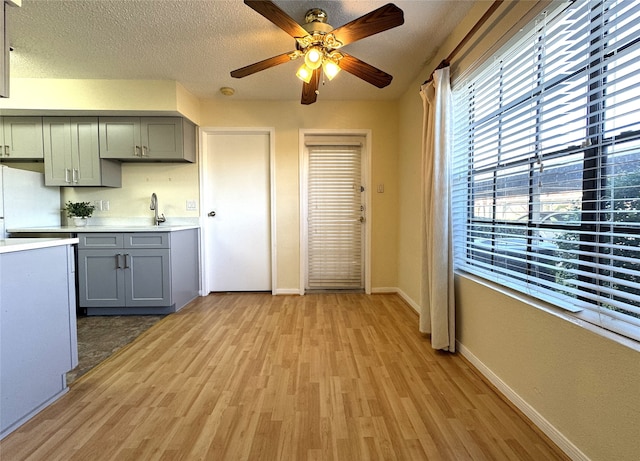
[{"x": 154, "y": 206}]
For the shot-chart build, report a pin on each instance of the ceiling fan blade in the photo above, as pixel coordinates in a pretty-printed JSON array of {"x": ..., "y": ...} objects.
[
  {"x": 309, "y": 90},
  {"x": 384, "y": 18},
  {"x": 262, "y": 65},
  {"x": 365, "y": 71},
  {"x": 273, "y": 13}
]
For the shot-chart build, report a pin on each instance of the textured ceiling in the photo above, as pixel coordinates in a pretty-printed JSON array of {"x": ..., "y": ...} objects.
[{"x": 198, "y": 42}]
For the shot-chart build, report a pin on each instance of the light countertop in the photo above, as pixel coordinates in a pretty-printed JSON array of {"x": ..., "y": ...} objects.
[
  {"x": 107, "y": 228},
  {"x": 19, "y": 244}
]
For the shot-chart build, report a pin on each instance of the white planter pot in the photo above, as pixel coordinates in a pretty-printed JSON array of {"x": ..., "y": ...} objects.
[{"x": 79, "y": 222}]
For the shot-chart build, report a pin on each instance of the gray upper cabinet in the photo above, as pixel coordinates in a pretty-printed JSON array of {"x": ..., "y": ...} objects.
[
  {"x": 160, "y": 139},
  {"x": 21, "y": 138},
  {"x": 4, "y": 53},
  {"x": 71, "y": 154}
]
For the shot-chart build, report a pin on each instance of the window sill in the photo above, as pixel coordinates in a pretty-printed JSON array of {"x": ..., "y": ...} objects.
[{"x": 553, "y": 310}]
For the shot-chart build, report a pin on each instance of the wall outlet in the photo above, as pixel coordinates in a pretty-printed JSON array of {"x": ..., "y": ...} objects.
[
  {"x": 380, "y": 188},
  {"x": 191, "y": 205},
  {"x": 105, "y": 205}
]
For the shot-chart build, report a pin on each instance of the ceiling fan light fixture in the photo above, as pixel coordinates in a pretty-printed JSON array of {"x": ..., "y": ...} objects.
[
  {"x": 304, "y": 73},
  {"x": 313, "y": 57},
  {"x": 318, "y": 42},
  {"x": 330, "y": 68}
]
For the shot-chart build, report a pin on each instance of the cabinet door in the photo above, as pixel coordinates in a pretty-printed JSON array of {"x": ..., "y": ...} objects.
[
  {"x": 4, "y": 54},
  {"x": 100, "y": 241},
  {"x": 161, "y": 138},
  {"x": 85, "y": 151},
  {"x": 101, "y": 280},
  {"x": 57, "y": 150},
  {"x": 120, "y": 138},
  {"x": 72, "y": 154},
  {"x": 22, "y": 138},
  {"x": 141, "y": 240},
  {"x": 148, "y": 278}
]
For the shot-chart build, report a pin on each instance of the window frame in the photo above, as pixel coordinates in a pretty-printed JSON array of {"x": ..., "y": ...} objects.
[{"x": 593, "y": 230}]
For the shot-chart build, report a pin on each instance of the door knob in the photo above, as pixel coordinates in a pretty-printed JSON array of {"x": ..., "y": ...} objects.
[{"x": 211, "y": 214}]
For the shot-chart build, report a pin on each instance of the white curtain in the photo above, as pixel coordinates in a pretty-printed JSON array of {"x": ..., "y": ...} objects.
[{"x": 437, "y": 315}]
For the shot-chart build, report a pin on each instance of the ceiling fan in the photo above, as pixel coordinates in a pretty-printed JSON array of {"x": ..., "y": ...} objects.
[{"x": 321, "y": 45}]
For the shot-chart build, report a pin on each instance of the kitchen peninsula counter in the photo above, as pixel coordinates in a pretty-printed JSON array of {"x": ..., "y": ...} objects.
[
  {"x": 24, "y": 244},
  {"x": 129, "y": 268},
  {"x": 38, "y": 339}
]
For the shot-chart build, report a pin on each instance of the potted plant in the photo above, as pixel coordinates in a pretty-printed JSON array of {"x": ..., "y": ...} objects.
[{"x": 79, "y": 212}]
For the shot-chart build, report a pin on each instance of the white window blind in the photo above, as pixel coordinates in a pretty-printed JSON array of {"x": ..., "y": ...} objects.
[
  {"x": 335, "y": 243},
  {"x": 547, "y": 164}
]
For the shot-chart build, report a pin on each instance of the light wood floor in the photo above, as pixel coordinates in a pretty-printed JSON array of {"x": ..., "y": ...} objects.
[{"x": 261, "y": 377}]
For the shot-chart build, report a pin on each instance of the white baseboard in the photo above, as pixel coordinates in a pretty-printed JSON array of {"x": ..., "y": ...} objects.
[
  {"x": 545, "y": 426},
  {"x": 379, "y": 290},
  {"x": 287, "y": 291},
  {"x": 414, "y": 305}
]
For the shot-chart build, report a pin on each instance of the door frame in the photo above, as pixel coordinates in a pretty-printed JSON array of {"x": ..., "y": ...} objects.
[
  {"x": 303, "y": 180},
  {"x": 205, "y": 192}
]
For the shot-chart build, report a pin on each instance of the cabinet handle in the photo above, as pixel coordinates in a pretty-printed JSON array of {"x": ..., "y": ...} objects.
[
  {"x": 118, "y": 266},
  {"x": 7, "y": 151},
  {"x": 66, "y": 175},
  {"x": 126, "y": 260},
  {"x": 135, "y": 151},
  {"x": 145, "y": 149},
  {"x": 74, "y": 175}
]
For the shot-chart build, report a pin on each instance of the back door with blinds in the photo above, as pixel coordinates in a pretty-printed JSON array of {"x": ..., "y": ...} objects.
[{"x": 335, "y": 215}]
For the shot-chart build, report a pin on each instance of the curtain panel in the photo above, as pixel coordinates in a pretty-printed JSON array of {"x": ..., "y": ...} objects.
[{"x": 437, "y": 315}]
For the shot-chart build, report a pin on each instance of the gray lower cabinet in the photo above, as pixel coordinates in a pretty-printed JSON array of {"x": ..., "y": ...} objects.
[
  {"x": 137, "y": 272},
  {"x": 125, "y": 277}
]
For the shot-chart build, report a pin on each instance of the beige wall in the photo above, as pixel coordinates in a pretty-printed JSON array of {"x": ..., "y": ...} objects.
[
  {"x": 105, "y": 97},
  {"x": 411, "y": 213},
  {"x": 288, "y": 118},
  {"x": 584, "y": 385},
  {"x": 174, "y": 183},
  {"x": 177, "y": 183}
]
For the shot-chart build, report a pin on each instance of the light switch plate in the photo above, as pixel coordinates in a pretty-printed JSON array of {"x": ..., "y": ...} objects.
[{"x": 191, "y": 205}]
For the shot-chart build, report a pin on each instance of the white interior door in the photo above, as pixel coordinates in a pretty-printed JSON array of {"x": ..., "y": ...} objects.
[{"x": 238, "y": 211}]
